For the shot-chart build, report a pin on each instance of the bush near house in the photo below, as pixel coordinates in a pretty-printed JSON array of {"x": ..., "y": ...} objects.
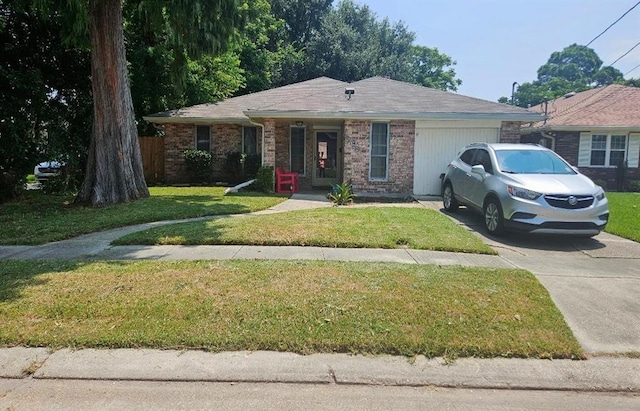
[{"x": 198, "y": 164}]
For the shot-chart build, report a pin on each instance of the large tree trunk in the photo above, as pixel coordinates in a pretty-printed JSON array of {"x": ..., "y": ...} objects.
[{"x": 114, "y": 168}]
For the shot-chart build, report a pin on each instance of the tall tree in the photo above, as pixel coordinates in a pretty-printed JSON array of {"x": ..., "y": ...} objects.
[
  {"x": 114, "y": 168},
  {"x": 352, "y": 44},
  {"x": 576, "y": 68}
]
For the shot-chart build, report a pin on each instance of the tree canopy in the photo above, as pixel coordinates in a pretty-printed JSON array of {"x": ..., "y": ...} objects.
[
  {"x": 76, "y": 87},
  {"x": 576, "y": 68}
]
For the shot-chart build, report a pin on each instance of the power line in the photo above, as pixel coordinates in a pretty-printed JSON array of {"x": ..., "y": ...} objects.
[
  {"x": 637, "y": 44},
  {"x": 613, "y": 24},
  {"x": 632, "y": 69}
]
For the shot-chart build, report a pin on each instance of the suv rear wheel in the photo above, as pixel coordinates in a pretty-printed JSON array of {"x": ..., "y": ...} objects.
[
  {"x": 448, "y": 199},
  {"x": 493, "y": 219}
]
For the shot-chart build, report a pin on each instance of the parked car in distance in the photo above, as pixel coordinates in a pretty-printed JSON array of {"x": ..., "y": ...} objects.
[
  {"x": 46, "y": 170},
  {"x": 524, "y": 187}
]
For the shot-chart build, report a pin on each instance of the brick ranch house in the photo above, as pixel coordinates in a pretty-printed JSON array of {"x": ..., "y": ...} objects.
[
  {"x": 386, "y": 137},
  {"x": 594, "y": 130}
]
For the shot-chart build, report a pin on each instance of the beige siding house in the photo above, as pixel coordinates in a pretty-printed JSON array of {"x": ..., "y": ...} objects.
[{"x": 383, "y": 136}]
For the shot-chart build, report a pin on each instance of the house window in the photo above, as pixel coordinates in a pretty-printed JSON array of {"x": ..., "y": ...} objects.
[
  {"x": 608, "y": 149},
  {"x": 203, "y": 138},
  {"x": 297, "y": 150},
  {"x": 250, "y": 140},
  {"x": 379, "y": 151}
]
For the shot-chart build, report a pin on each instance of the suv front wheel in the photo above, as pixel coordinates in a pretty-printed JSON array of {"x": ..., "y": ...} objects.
[{"x": 493, "y": 219}]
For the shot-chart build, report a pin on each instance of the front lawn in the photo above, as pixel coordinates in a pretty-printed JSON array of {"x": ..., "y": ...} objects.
[
  {"x": 350, "y": 227},
  {"x": 295, "y": 306},
  {"x": 37, "y": 218},
  {"x": 625, "y": 215}
]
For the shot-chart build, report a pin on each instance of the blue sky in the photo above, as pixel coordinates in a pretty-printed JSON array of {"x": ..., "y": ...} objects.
[{"x": 497, "y": 42}]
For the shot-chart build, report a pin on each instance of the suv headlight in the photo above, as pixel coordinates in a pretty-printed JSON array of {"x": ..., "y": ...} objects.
[
  {"x": 522, "y": 193},
  {"x": 600, "y": 194}
]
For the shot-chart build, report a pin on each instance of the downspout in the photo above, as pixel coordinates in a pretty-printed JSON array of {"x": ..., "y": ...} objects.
[{"x": 550, "y": 137}]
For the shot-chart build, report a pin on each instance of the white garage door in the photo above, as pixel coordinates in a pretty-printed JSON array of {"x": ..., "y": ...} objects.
[{"x": 436, "y": 146}]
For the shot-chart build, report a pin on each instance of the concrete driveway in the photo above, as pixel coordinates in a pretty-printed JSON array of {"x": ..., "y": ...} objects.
[{"x": 595, "y": 282}]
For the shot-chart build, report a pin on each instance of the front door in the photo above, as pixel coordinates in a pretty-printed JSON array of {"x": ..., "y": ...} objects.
[{"x": 326, "y": 169}]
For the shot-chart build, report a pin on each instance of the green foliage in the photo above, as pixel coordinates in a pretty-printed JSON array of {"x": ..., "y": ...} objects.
[
  {"x": 264, "y": 179},
  {"x": 45, "y": 97},
  {"x": 198, "y": 164},
  {"x": 576, "y": 68},
  {"x": 370, "y": 47},
  {"x": 634, "y": 185},
  {"x": 232, "y": 167},
  {"x": 341, "y": 194}
]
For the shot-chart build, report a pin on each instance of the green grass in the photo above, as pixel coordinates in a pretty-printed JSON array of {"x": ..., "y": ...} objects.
[
  {"x": 37, "y": 218},
  {"x": 293, "y": 306},
  {"x": 624, "y": 219},
  {"x": 350, "y": 227}
]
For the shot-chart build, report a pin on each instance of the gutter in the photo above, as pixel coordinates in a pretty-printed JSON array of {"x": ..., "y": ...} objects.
[{"x": 363, "y": 115}]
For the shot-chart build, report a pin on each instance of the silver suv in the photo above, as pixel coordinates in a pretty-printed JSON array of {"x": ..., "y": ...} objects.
[{"x": 524, "y": 187}]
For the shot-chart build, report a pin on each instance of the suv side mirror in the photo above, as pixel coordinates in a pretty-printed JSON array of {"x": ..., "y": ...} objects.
[{"x": 479, "y": 169}]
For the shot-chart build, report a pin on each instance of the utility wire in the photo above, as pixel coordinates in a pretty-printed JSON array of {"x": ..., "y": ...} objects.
[
  {"x": 618, "y": 59},
  {"x": 613, "y": 24},
  {"x": 632, "y": 69}
]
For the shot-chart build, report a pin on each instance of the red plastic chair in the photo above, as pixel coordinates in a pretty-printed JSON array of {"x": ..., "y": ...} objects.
[{"x": 286, "y": 182}]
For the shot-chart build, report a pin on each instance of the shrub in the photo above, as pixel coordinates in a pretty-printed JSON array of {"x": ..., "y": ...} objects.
[
  {"x": 634, "y": 185},
  {"x": 10, "y": 186},
  {"x": 601, "y": 183},
  {"x": 264, "y": 179},
  {"x": 341, "y": 194},
  {"x": 252, "y": 164},
  {"x": 232, "y": 167},
  {"x": 198, "y": 164}
]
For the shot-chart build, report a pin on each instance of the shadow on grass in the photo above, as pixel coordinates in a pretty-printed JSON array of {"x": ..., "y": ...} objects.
[{"x": 16, "y": 275}]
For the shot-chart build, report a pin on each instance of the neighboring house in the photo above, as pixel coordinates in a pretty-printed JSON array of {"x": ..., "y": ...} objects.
[
  {"x": 594, "y": 130},
  {"x": 384, "y": 136}
]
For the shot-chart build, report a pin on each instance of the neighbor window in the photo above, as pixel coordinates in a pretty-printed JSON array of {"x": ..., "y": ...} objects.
[
  {"x": 379, "y": 151},
  {"x": 297, "y": 150},
  {"x": 608, "y": 149},
  {"x": 250, "y": 140},
  {"x": 203, "y": 138}
]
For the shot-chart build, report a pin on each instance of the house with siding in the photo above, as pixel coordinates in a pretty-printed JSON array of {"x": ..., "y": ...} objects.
[
  {"x": 385, "y": 137},
  {"x": 594, "y": 130}
]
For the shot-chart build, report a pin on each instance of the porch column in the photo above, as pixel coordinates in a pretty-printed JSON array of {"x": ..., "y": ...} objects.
[{"x": 269, "y": 147}]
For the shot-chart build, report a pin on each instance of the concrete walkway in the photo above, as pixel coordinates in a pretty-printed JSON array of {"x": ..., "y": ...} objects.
[{"x": 597, "y": 330}]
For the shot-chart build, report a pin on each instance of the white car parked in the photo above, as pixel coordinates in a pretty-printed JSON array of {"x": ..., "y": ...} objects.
[{"x": 46, "y": 170}]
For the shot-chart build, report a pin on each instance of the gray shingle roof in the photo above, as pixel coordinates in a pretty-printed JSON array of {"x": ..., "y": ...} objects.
[{"x": 374, "y": 97}]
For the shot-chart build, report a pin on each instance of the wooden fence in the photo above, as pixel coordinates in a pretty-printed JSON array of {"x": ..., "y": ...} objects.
[{"x": 152, "y": 149}]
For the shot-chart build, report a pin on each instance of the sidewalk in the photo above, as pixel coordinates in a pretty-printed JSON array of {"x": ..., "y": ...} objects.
[
  {"x": 606, "y": 374},
  {"x": 618, "y": 375}
]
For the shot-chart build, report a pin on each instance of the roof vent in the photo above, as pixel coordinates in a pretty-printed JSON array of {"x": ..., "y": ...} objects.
[
  {"x": 573, "y": 93},
  {"x": 349, "y": 91}
]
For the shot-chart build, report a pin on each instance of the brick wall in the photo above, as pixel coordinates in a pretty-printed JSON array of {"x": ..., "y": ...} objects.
[
  {"x": 510, "y": 132},
  {"x": 180, "y": 137},
  {"x": 357, "y": 134}
]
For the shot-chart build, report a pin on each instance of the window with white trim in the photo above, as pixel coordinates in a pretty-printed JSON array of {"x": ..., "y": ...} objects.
[
  {"x": 297, "y": 151},
  {"x": 379, "y": 157},
  {"x": 608, "y": 150},
  {"x": 250, "y": 140},
  {"x": 203, "y": 138}
]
